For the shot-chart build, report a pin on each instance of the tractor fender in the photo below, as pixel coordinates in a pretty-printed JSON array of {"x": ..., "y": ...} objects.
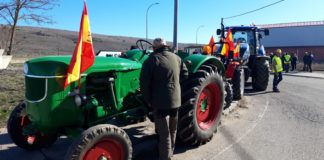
[
  {"x": 231, "y": 68},
  {"x": 194, "y": 61},
  {"x": 263, "y": 58}
]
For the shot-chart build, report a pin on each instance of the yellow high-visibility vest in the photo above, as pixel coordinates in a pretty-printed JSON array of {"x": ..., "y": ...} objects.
[
  {"x": 287, "y": 59},
  {"x": 278, "y": 64}
]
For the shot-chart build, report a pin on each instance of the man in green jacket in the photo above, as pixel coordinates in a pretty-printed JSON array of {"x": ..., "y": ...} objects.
[{"x": 160, "y": 81}]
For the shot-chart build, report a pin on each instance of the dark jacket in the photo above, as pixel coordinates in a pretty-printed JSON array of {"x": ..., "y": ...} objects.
[
  {"x": 160, "y": 79},
  {"x": 294, "y": 59},
  {"x": 305, "y": 59}
]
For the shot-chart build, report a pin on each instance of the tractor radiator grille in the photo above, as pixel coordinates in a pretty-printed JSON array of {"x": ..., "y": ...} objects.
[{"x": 35, "y": 88}]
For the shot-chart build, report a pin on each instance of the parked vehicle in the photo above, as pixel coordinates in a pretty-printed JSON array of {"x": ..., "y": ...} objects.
[{"x": 109, "y": 89}]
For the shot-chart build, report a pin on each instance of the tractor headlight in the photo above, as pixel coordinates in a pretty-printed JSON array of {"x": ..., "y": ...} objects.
[
  {"x": 25, "y": 68},
  {"x": 80, "y": 100}
]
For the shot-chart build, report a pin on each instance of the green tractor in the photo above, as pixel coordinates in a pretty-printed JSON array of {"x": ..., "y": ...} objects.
[{"x": 109, "y": 90}]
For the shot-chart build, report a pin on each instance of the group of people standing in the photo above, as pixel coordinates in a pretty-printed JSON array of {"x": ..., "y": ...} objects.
[
  {"x": 289, "y": 61},
  {"x": 308, "y": 60},
  {"x": 282, "y": 63}
]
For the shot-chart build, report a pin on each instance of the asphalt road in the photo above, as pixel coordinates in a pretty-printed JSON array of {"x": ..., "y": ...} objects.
[{"x": 288, "y": 125}]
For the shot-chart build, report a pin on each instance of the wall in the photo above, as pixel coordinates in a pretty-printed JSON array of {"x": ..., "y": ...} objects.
[
  {"x": 295, "y": 36},
  {"x": 318, "y": 52}
]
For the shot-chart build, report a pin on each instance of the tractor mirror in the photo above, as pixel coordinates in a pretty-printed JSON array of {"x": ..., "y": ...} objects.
[
  {"x": 260, "y": 36},
  {"x": 219, "y": 32},
  {"x": 266, "y": 32}
]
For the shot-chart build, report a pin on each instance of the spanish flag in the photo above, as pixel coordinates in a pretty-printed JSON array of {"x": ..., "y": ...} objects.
[
  {"x": 229, "y": 44},
  {"x": 212, "y": 44},
  {"x": 83, "y": 56},
  {"x": 237, "y": 50}
]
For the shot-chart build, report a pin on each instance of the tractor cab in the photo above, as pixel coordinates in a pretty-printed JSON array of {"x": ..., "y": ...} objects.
[{"x": 249, "y": 38}]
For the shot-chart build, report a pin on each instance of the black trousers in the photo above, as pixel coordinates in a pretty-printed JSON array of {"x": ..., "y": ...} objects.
[
  {"x": 293, "y": 66},
  {"x": 166, "y": 121},
  {"x": 276, "y": 80},
  {"x": 309, "y": 65}
]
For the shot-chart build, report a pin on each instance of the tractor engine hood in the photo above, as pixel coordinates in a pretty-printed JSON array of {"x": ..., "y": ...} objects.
[{"x": 58, "y": 65}]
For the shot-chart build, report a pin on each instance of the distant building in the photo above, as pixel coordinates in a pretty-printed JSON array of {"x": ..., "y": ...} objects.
[{"x": 299, "y": 37}]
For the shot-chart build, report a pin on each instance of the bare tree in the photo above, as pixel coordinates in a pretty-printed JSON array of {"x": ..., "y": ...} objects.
[
  {"x": 13, "y": 11},
  {"x": 4, "y": 35}
]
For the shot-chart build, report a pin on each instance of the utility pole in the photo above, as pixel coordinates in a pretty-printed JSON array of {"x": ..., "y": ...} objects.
[{"x": 175, "y": 27}]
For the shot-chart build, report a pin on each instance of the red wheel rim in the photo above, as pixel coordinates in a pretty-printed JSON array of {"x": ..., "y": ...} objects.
[
  {"x": 24, "y": 122},
  {"x": 30, "y": 139},
  {"x": 208, "y": 106},
  {"x": 107, "y": 148}
]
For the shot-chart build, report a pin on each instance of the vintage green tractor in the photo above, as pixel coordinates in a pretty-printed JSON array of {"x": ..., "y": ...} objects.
[{"x": 109, "y": 89}]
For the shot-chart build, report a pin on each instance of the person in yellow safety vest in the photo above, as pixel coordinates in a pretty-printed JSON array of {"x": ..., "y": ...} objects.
[
  {"x": 287, "y": 61},
  {"x": 277, "y": 70}
]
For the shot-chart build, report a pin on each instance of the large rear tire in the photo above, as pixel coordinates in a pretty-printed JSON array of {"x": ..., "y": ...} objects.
[
  {"x": 261, "y": 75},
  {"x": 229, "y": 95},
  {"x": 202, "y": 105},
  {"x": 101, "y": 142},
  {"x": 18, "y": 120},
  {"x": 238, "y": 84}
]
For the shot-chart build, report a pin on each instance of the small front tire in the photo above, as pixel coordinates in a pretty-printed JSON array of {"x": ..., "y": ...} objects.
[
  {"x": 101, "y": 142},
  {"x": 18, "y": 120}
]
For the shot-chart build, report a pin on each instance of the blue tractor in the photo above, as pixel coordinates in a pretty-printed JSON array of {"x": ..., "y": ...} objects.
[{"x": 252, "y": 61}]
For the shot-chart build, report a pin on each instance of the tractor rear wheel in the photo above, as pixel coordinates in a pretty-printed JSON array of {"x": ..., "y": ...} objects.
[
  {"x": 202, "y": 105},
  {"x": 101, "y": 142},
  {"x": 238, "y": 84},
  {"x": 229, "y": 95},
  {"x": 261, "y": 75},
  {"x": 18, "y": 120}
]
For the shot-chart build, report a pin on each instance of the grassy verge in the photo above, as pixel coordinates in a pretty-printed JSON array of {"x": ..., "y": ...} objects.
[{"x": 11, "y": 90}]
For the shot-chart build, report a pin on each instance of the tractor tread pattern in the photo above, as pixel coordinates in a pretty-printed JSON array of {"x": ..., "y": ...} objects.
[
  {"x": 187, "y": 130},
  {"x": 15, "y": 131},
  {"x": 261, "y": 76},
  {"x": 93, "y": 135}
]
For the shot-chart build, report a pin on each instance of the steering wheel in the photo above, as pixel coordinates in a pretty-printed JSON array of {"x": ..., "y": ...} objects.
[{"x": 140, "y": 42}]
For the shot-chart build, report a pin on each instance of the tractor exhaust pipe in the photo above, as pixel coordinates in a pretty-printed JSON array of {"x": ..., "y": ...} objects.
[{"x": 175, "y": 27}]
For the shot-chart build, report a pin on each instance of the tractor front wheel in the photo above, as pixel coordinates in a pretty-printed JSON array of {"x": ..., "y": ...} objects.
[
  {"x": 261, "y": 75},
  {"x": 101, "y": 142},
  {"x": 203, "y": 99},
  {"x": 229, "y": 95},
  {"x": 238, "y": 84},
  {"x": 18, "y": 120}
]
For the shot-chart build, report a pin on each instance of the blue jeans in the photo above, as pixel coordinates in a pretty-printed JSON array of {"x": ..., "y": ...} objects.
[{"x": 276, "y": 79}]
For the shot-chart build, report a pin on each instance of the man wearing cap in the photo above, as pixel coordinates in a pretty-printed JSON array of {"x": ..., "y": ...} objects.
[
  {"x": 277, "y": 70},
  {"x": 160, "y": 81}
]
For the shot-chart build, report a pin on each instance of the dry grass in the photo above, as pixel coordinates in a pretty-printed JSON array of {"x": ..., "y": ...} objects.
[{"x": 11, "y": 90}]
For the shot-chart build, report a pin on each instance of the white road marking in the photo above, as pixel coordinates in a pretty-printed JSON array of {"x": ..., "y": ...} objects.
[{"x": 260, "y": 116}]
